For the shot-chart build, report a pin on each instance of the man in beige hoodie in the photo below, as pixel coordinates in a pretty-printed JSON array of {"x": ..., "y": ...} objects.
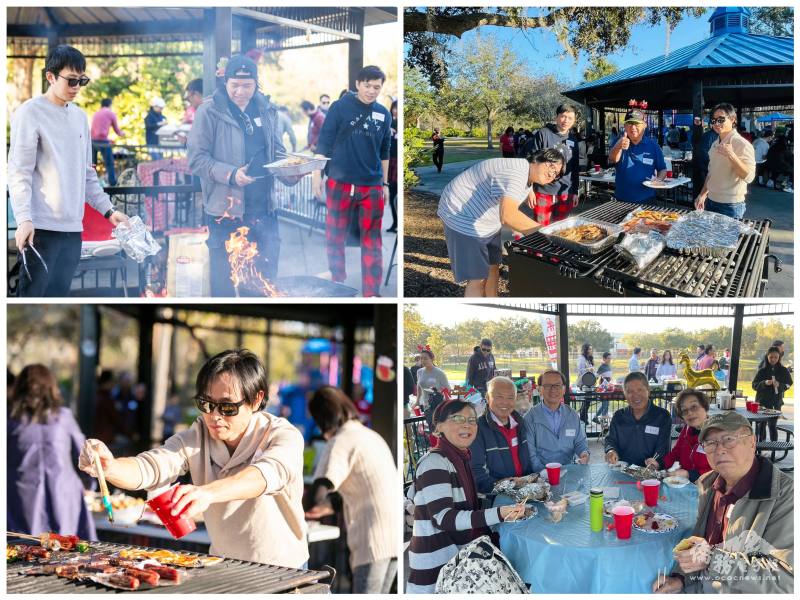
[
  {"x": 246, "y": 466},
  {"x": 731, "y": 166}
]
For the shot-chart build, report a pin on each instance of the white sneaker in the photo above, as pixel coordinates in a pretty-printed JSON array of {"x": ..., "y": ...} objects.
[{"x": 788, "y": 189}]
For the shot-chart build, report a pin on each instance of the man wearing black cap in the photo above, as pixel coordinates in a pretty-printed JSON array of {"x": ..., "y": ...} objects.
[
  {"x": 357, "y": 137},
  {"x": 637, "y": 158},
  {"x": 744, "y": 534},
  {"x": 235, "y": 133}
]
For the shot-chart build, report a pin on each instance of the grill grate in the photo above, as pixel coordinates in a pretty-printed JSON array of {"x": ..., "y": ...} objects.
[
  {"x": 737, "y": 275},
  {"x": 230, "y": 576}
]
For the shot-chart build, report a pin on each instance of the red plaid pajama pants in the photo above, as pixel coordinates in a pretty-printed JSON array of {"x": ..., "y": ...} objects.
[
  {"x": 341, "y": 198},
  {"x": 549, "y": 208}
]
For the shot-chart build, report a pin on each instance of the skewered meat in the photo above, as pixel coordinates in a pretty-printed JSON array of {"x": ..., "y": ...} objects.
[{"x": 68, "y": 571}]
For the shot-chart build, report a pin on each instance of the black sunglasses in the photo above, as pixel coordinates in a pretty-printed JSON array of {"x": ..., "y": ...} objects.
[
  {"x": 718, "y": 120},
  {"x": 226, "y": 409},
  {"x": 73, "y": 81},
  {"x": 486, "y": 349}
]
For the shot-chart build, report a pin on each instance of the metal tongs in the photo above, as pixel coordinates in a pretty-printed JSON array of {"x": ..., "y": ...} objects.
[{"x": 25, "y": 260}]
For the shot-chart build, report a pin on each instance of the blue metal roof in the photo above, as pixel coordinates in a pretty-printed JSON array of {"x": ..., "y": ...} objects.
[{"x": 728, "y": 50}]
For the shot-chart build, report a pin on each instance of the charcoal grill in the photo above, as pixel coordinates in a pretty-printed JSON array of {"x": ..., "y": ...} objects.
[
  {"x": 538, "y": 268},
  {"x": 230, "y": 576}
]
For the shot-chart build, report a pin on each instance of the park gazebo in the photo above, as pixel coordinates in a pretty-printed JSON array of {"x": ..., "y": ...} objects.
[
  {"x": 208, "y": 32},
  {"x": 753, "y": 72}
]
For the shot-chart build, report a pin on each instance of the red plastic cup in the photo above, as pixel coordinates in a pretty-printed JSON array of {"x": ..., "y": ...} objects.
[
  {"x": 597, "y": 168},
  {"x": 749, "y": 406},
  {"x": 669, "y": 174},
  {"x": 623, "y": 521},
  {"x": 177, "y": 526},
  {"x": 553, "y": 473},
  {"x": 650, "y": 488},
  {"x": 756, "y": 406}
]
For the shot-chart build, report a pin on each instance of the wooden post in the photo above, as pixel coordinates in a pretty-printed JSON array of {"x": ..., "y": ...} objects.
[
  {"x": 736, "y": 346},
  {"x": 217, "y": 32},
  {"x": 355, "y": 51},
  {"x": 87, "y": 368}
]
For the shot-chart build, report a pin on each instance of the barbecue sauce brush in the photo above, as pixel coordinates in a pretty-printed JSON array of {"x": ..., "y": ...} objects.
[{"x": 101, "y": 478}]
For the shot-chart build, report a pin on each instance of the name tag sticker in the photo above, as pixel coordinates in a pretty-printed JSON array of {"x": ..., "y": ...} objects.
[
  {"x": 378, "y": 116},
  {"x": 729, "y": 512},
  {"x": 514, "y": 442},
  {"x": 570, "y": 143},
  {"x": 570, "y": 432},
  {"x": 701, "y": 450},
  {"x": 257, "y": 121},
  {"x": 651, "y": 430},
  {"x": 647, "y": 161}
]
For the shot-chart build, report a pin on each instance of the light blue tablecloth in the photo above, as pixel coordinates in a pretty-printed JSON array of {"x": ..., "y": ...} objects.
[{"x": 567, "y": 557}]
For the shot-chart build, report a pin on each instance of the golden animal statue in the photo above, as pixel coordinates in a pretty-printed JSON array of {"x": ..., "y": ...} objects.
[{"x": 695, "y": 379}]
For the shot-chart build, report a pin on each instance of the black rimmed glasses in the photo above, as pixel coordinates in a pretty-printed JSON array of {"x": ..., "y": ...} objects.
[
  {"x": 82, "y": 81},
  {"x": 718, "y": 121},
  {"x": 226, "y": 409},
  {"x": 552, "y": 386}
]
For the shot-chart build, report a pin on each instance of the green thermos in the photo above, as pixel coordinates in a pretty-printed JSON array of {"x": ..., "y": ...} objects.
[{"x": 596, "y": 509}]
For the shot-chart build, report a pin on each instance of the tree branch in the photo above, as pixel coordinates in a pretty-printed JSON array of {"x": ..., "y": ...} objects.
[{"x": 415, "y": 21}]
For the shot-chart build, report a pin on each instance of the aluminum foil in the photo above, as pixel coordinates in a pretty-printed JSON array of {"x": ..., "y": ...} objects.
[
  {"x": 704, "y": 233},
  {"x": 641, "y": 248},
  {"x": 532, "y": 489},
  {"x": 136, "y": 240}
]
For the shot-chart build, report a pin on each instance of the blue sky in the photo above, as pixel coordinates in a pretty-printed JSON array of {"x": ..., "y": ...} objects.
[{"x": 541, "y": 50}]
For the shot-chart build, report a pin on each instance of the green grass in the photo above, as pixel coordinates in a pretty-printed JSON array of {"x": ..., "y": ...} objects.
[
  {"x": 460, "y": 149},
  {"x": 456, "y": 372}
]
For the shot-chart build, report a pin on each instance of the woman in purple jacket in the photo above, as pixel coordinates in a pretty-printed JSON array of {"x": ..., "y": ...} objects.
[{"x": 44, "y": 490}]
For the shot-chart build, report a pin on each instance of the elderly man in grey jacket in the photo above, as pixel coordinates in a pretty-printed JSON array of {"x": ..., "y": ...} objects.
[
  {"x": 554, "y": 429},
  {"x": 744, "y": 535},
  {"x": 235, "y": 133}
]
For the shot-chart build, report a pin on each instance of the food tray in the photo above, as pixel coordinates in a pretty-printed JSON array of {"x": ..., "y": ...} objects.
[
  {"x": 287, "y": 167},
  {"x": 551, "y": 231}
]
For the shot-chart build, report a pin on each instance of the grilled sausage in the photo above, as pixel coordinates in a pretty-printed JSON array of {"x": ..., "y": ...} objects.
[
  {"x": 165, "y": 572},
  {"x": 150, "y": 577}
]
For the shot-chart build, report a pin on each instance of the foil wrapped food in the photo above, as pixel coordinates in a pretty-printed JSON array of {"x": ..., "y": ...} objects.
[
  {"x": 641, "y": 248},
  {"x": 706, "y": 233},
  {"x": 530, "y": 488},
  {"x": 136, "y": 240}
]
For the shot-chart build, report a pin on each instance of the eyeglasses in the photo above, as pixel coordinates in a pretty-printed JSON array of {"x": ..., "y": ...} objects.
[
  {"x": 552, "y": 386},
  {"x": 325, "y": 103},
  {"x": 727, "y": 441},
  {"x": 82, "y": 81},
  {"x": 226, "y": 409},
  {"x": 693, "y": 408},
  {"x": 718, "y": 121},
  {"x": 554, "y": 168},
  {"x": 486, "y": 349},
  {"x": 461, "y": 419}
]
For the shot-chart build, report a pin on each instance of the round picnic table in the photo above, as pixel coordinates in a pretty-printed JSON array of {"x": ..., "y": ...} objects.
[{"x": 568, "y": 557}]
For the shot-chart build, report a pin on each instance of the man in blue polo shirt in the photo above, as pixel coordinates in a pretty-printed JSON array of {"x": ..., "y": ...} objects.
[{"x": 636, "y": 158}]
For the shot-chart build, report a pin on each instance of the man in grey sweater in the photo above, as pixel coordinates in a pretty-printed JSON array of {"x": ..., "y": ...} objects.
[{"x": 50, "y": 176}]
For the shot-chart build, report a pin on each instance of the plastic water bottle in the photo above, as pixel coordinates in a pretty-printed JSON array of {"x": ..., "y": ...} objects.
[{"x": 596, "y": 509}]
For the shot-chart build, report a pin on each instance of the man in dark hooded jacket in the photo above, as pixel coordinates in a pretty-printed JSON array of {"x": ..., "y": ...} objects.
[{"x": 481, "y": 366}]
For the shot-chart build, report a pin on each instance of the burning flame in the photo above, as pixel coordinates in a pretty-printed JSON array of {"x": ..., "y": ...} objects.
[
  {"x": 241, "y": 255},
  {"x": 225, "y": 213}
]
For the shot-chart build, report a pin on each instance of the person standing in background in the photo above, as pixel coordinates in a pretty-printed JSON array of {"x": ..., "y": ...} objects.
[
  {"x": 481, "y": 366},
  {"x": 651, "y": 367},
  {"x": 153, "y": 121},
  {"x": 285, "y": 127},
  {"x": 438, "y": 149},
  {"x": 44, "y": 492},
  {"x": 102, "y": 121},
  {"x": 633, "y": 363},
  {"x": 316, "y": 118},
  {"x": 393, "y": 169}
]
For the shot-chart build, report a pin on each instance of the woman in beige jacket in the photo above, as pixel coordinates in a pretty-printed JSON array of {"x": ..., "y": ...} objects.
[
  {"x": 246, "y": 466},
  {"x": 357, "y": 463}
]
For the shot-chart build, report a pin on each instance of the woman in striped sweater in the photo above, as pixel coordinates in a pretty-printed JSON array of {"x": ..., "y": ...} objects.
[{"x": 447, "y": 513}]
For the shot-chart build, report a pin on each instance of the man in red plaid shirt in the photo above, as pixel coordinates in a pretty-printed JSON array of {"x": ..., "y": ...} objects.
[{"x": 357, "y": 136}]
